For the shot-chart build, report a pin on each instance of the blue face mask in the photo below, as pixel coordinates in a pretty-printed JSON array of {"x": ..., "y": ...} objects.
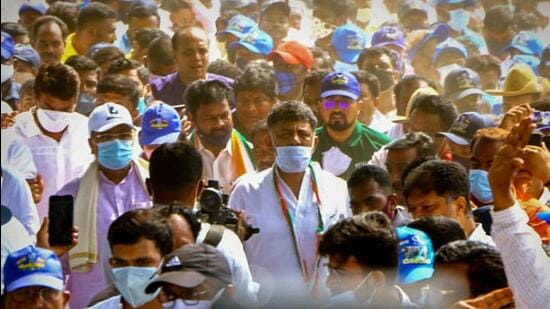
[
  {"x": 142, "y": 105},
  {"x": 479, "y": 186},
  {"x": 115, "y": 154},
  {"x": 287, "y": 81},
  {"x": 131, "y": 283},
  {"x": 340, "y": 66},
  {"x": 459, "y": 19},
  {"x": 293, "y": 159}
]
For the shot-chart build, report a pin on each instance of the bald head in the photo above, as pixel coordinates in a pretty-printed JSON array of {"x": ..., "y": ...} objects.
[{"x": 188, "y": 34}]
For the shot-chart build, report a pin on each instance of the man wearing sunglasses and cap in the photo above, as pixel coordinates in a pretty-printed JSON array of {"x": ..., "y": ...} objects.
[{"x": 344, "y": 143}]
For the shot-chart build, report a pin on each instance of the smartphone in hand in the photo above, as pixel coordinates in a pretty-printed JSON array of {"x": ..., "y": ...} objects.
[{"x": 61, "y": 214}]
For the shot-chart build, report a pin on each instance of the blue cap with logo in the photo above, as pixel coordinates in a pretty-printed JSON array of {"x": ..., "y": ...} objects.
[
  {"x": 256, "y": 41},
  {"x": 528, "y": 43},
  {"x": 348, "y": 41},
  {"x": 160, "y": 124},
  {"x": 8, "y": 46},
  {"x": 27, "y": 54},
  {"x": 239, "y": 25},
  {"x": 388, "y": 35},
  {"x": 33, "y": 266},
  {"x": 448, "y": 45},
  {"x": 340, "y": 83},
  {"x": 464, "y": 128},
  {"x": 33, "y": 7},
  {"x": 461, "y": 83},
  {"x": 416, "y": 255},
  {"x": 439, "y": 31}
]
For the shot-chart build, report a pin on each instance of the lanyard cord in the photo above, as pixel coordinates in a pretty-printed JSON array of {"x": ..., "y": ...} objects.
[{"x": 290, "y": 220}]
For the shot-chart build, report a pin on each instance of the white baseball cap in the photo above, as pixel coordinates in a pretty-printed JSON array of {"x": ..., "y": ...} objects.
[{"x": 108, "y": 116}]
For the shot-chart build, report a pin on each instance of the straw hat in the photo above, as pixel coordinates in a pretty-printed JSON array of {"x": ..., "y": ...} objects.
[
  {"x": 519, "y": 81},
  {"x": 418, "y": 92}
]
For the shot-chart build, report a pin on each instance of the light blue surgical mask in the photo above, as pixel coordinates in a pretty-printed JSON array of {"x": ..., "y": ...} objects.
[
  {"x": 479, "y": 186},
  {"x": 348, "y": 297},
  {"x": 293, "y": 159},
  {"x": 459, "y": 19},
  {"x": 142, "y": 105},
  {"x": 286, "y": 81},
  {"x": 340, "y": 66},
  {"x": 131, "y": 283},
  {"x": 115, "y": 154}
]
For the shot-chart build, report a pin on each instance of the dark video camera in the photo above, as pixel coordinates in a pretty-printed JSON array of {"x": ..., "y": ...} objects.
[{"x": 214, "y": 210}]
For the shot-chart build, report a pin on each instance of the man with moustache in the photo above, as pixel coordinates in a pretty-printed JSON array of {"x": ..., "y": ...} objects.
[{"x": 344, "y": 143}]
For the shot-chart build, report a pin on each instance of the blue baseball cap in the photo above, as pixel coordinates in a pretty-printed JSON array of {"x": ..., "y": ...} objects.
[
  {"x": 8, "y": 46},
  {"x": 256, "y": 41},
  {"x": 416, "y": 255},
  {"x": 439, "y": 32},
  {"x": 30, "y": 7},
  {"x": 348, "y": 41},
  {"x": 97, "y": 47},
  {"x": 527, "y": 42},
  {"x": 27, "y": 54},
  {"x": 160, "y": 124},
  {"x": 340, "y": 83},
  {"x": 449, "y": 44},
  {"x": 461, "y": 83},
  {"x": 388, "y": 35},
  {"x": 33, "y": 266},
  {"x": 239, "y": 25},
  {"x": 464, "y": 128}
]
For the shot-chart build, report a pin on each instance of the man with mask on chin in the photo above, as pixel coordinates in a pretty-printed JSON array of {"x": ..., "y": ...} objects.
[
  {"x": 291, "y": 203},
  {"x": 363, "y": 257},
  {"x": 113, "y": 184},
  {"x": 345, "y": 144},
  {"x": 225, "y": 152},
  {"x": 54, "y": 133},
  {"x": 138, "y": 241}
]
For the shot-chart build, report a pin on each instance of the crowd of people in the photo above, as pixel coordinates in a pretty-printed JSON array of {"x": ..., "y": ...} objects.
[{"x": 275, "y": 154}]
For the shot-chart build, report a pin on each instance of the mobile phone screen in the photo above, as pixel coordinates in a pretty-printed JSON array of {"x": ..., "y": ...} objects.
[{"x": 61, "y": 219}]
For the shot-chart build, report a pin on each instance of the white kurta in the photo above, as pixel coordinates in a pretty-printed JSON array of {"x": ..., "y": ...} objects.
[{"x": 271, "y": 254}]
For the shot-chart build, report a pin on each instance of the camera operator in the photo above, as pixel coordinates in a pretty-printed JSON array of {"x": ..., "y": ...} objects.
[{"x": 176, "y": 179}]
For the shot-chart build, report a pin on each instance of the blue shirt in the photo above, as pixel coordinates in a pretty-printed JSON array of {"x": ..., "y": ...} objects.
[{"x": 170, "y": 90}]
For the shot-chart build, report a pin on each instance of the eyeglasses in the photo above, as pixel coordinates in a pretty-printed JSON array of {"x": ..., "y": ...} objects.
[
  {"x": 24, "y": 295},
  {"x": 107, "y": 137},
  {"x": 330, "y": 104},
  {"x": 188, "y": 296}
]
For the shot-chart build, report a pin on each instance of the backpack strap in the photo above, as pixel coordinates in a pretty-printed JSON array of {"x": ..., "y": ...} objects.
[{"x": 214, "y": 235}]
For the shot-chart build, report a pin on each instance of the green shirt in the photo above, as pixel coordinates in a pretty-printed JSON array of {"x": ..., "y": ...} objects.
[{"x": 342, "y": 159}]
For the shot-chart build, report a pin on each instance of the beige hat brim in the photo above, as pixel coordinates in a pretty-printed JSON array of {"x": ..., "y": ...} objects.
[{"x": 532, "y": 87}]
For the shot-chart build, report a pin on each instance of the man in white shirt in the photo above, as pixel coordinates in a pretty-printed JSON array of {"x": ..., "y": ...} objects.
[
  {"x": 291, "y": 203},
  {"x": 17, "y": 196},
  {"x": 176, "y": 180},
  {"x": 526, "y": 264},
  {"x": 55, "y": 134},
  {"x": 225, "y": 152},
  {"x": 14, "y": 237},
  {"x": 442, "y": 188}
]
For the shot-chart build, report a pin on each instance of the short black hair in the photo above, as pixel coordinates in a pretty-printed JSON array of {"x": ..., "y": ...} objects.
[
  {"x": 181, "y": 161},
  {"x": 160, "y": 51},
  {"x": 435, "y": 104},
  {"x": 441, "y": 230},
  {"x": 485, "y": 267},
  {"x": 257, "y": 79},
  {"x": 106, "y": 54},
  {"x": 177, "y": 37},
  {"x": 481, "y": 63},
  {"x": 120, "y": 84},
  {"x": 337, "y": 7},
  {"x": 525, "y": 21},
  {"x": 378, "y": 51},
  {"x": 205, "y": 92},
  {"x": 368, "y": 172},
  {"x": 314, "y": 77},
  {"x": 541, "y": 105},
  {"x": 67, "y": 12},
  {"x": 364, "y": 77},
  {"x": 136, "y": 224},
  {"x": 81, "y": 63},
  {"x": 14, "y": 29},
  {"x": 319, "y": 53},
  {"x": 352, "y": 236},
  {"x": 58, "y": 80},
  {"x": 92, "y": 14},
  {"x": 445, "y": 178},
  {"x": 124, "y": 64},
  {"x": 224, "y": 68},
  {"x": 191, "y": 217},
  {"x": 47, "y": 19},
  {"x": 422, "y": 142},
  {"x": 142, "y": 11},
  {"x": 27, "y": 87},
  {"x": 144, "y": 36},
  {"x": 408, "y": 81},
  {"x": 498, "y": 19},
  {"x": 291, "y": 111}
]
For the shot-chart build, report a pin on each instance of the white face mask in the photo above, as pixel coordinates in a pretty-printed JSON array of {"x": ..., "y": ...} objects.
[
  {"x": 348, "y": 297},
  {"x": 53, "y": 121},
  {"x": 7, "y": 72},
  {"x": 201, "y": 304}
]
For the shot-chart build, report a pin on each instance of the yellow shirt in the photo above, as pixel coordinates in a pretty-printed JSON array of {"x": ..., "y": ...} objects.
[{"x": 69, "y": 48}]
